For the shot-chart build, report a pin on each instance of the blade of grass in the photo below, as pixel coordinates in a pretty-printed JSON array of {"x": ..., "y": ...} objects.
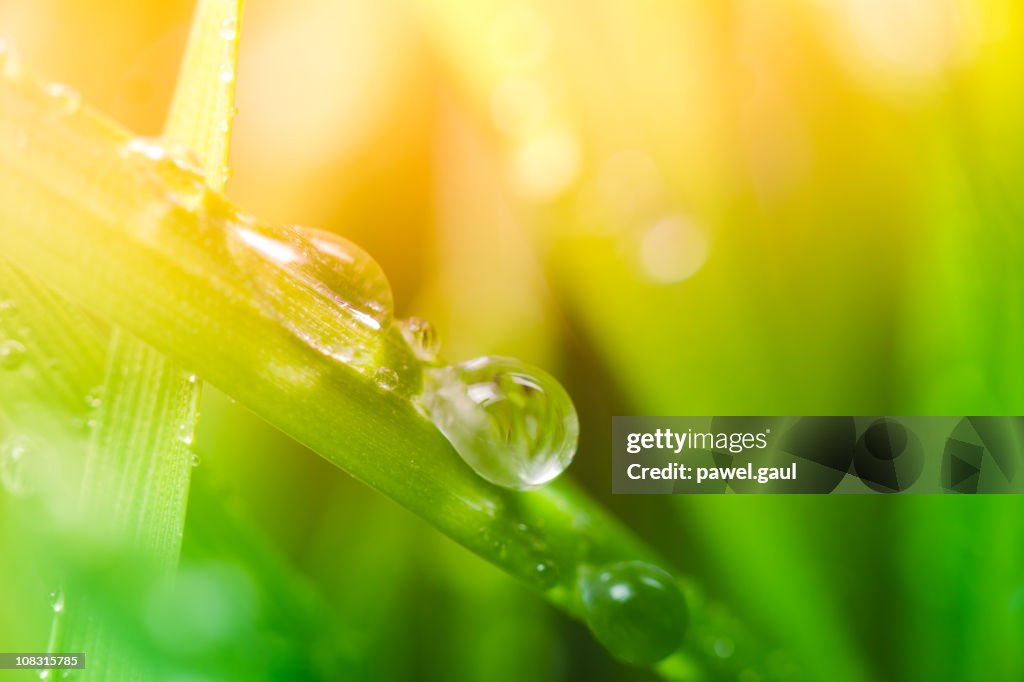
[
  {"x": 86, "y": 220},
  {"x": 149, "y": 406},
  {"x": 139, "y": 461}
]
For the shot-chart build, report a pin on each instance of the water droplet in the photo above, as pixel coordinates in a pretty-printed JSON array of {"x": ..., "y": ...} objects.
[
  {"x": 94, "y": 398},
  {"x": 12, "y": 353},
  {"x": 326, "y": 290},
  {"x": 185, "y": 434},
  {"x": 547, "y": 574},
  {"x": 57, "y": 601},
  {"x": 422, "y": 338},
  {"x": 192, "y": 378},
  {"x": 386, "y": 378},
  {"x": 634, "y": 609},
  {"x": 227, "y": 72},
  {"x": 13, "y": 452},
  {"x": 229, "y": 28},
  {"x": 514, "y": 424},
  {"x": 174, "y": 168},
  {"x": 66, "y": 100},
  {"x": 195, "y": 460}
]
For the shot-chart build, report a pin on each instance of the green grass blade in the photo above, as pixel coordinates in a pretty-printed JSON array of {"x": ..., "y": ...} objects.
[
  {"x": 139, "y": 461},
  {"x": 204, "y": 100}
]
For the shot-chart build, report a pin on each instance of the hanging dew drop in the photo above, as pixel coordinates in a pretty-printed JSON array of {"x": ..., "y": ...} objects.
[
  {"x": 195, "y": 460},
  {"x": 422, "y": 338},
  {"x": 326, "y": 290},
  {"x": 635, "y": 610},
  {"x": 514, "y": 424},
  {"x": 12, "y": 353}
]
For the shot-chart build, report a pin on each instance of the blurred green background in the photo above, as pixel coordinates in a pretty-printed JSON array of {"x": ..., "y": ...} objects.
[{"x": 697, "y": 207}]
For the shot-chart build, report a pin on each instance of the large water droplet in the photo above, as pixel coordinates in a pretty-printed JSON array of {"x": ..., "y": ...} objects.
[
  {"x": 634, "y": 609},
  {"x": 324, "y": 289},
  {"x": 514, "y": 424},
  {"x": 12, "y": 353},
  {"x": 422, "y": 338}
]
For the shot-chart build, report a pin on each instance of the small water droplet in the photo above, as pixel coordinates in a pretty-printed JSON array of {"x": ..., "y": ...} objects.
[
  {"x": 192, "y": 378},
  {"x": 12, "y": 353},
  {"x": 422, "y": 338},
  {"x": 229, "y": 28},
  {"x": 635, "y": 610},
  {"x": 13, "y": 452},
  {"x": 326, "y": 290},
  {"x": 66, "y": 100},
  {"x": 185, "y": 434},
  {"x": 227, "y": 72},
  {"x": 547, "y": 574},
  {"x": 94, "y": 398},
  {"x": 514, "y": 424},
  {"x": 386, "y": 378},
  {"x": 195, "y": 460},
  {"x": 174, "y": 168},
  {"x": 57, "y": 601}
]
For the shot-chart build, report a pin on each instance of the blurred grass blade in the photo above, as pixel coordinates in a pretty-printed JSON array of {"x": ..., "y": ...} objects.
[
  {"x": 139, "y": 461},
  {"x": 204, "y": 100},
  {"x": 148, "y": 407}
]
